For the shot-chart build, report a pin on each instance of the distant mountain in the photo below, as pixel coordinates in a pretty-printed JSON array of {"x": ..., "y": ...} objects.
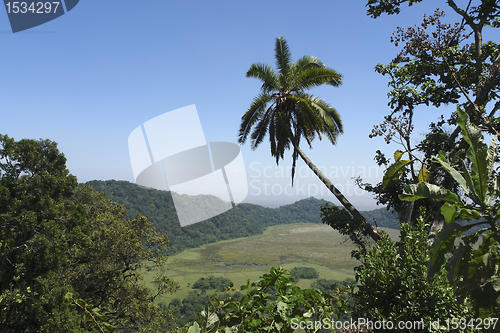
[{"x": 241, "y": 221}]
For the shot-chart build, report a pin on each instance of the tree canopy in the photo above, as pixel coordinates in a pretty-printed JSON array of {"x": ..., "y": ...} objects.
[{"x": 69, "y": 260}]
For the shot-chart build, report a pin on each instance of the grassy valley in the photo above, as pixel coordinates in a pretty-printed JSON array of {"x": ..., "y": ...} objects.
[
  {"x": 317, "y": 246},
  {"x": 295, "y": 245}
]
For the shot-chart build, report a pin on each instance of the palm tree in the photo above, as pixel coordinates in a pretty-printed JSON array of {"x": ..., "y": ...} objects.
[{"x": 288, "y": 113}]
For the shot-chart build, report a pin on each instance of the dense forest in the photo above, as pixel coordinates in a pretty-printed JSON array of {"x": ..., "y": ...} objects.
[{"x": 241, "y": 221}]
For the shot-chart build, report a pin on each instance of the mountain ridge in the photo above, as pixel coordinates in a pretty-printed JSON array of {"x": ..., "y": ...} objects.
[{"x": 243, "y": 220}]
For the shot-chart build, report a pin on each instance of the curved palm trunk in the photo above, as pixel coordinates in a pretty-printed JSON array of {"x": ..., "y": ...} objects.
[{"x": 374, "y": 234}]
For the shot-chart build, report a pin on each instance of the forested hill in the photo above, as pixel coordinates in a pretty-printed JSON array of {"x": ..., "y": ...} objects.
[{"x": 243, "y": 220}]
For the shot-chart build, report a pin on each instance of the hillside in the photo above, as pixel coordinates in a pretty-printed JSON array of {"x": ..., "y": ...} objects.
[{"x": 241, "y": 221}]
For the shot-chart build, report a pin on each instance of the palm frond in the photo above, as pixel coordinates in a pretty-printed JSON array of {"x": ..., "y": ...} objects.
[
  {"x": 283, "y": 58},
  {"x": 266, "y": 74},
  {"x": 329, "y": 116},
  {"x": 261, "y": 128},
  {"x": 306, "y": 118},
  {"x": 256, "y": 109},
  {"x": 282, "y": 143},
  {"x": 317, "y": 117},
  {"x": 305, "y": 62},
  {"x": 316, "y": 76}
]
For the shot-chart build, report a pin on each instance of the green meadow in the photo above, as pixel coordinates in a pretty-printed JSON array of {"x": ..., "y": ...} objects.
[{"x": 294, "y": 245}]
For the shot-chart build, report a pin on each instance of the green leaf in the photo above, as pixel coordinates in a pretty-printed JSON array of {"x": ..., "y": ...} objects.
[
  {"x": 81, "y": 303},
  {"x": 282, "y": 310},
  {"x": 443, "y": 244},
  {"x": 477, "y": 154},
  {"x": 449, "y": 212},
  {"x": 452, "y": 171},
  {"x": 253, "y": 324},
  {"x": 473, "y": 194},
  {"x": 68, "y": 296},
  {"x": 469, "y": 214},
  {"x": 397, "y": 155},
  {"x": 195, "y": 328},
  {"x": 210, "y": 320},
  {"x": 393, "y": 171},
  {"x": 495, "y": 190},
  {"x": 491, "y": 156},
  {"x": 414, "y": 192},
  {"x": 110, "y": 328},
  {"x": 423, "y": 175}
]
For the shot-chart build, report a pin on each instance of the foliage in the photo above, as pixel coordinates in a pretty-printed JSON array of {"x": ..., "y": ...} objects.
[
  {"x": 475, "y": 271},
  {"x": 69, "y": 261},
  {"x": 34, "y": 190},
  {"x": 188, "y": 310},
  {"x": 304, "y": 273},
  {"x": 438, "y": 64},
  {"x": 270, "y": 305},
  {"x": 114, "y": 253},
  {"x": 211, "y": 282},
  {"x": 91, "y": 315},
  {"x": 393, "y": 284}
]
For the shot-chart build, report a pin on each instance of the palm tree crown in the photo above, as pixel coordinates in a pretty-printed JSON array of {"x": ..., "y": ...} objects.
[{"x": 285, "y": 109}]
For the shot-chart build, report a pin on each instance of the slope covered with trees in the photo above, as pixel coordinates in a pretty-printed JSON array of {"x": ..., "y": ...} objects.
[{"x": 241, "y": 221}]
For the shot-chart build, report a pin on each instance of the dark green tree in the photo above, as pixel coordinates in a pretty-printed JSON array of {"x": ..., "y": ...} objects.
[
  {"x": 212, "y": 282},
  {"x": 69, "y": 260},
  {"x": 286, "y": 112},
  {"x": 35, "y": 235},
  {"x": 304, "y": 273},
  {"x": 105, "y": 267}
]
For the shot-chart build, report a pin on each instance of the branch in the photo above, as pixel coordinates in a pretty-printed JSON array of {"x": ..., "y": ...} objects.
[{"x": 463, "y": 13}]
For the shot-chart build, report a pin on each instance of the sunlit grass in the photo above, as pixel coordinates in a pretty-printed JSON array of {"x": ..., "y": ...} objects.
[{"x": 311, "y": 245}]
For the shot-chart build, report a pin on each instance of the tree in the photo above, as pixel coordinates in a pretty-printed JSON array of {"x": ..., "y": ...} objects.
[
  {"x": 105, "y": 267},
  {"x": 304, "y": 273},
  {"x": 69, "y": 260},
  {"x": 393, "y": 286},
  {"x": 288, "y": 113},
  {"x": 35, "y": 188},
  {"x": 437, "y": 65}
]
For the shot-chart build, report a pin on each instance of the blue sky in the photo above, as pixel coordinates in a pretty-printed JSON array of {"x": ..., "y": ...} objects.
[{"x": 88, "y": 78}]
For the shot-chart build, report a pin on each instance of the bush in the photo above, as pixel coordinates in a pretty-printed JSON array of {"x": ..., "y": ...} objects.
[
  {"x": 211, "y": 282},
  {"x": 304, "y": 273},
  {"x": 393, "y": 284}
]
